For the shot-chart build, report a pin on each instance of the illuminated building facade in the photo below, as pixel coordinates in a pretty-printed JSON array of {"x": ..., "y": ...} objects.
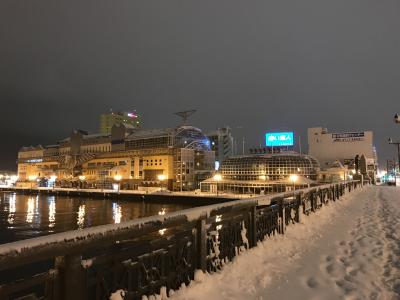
[
  {"x": 262, "y": 174},
  {"x": 107, "y": 121},
  {"x": 177, "y": 158}
]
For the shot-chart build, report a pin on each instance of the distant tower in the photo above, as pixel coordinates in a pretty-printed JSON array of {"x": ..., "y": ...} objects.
[
  {"x": 221, "y": 141},
  {"x": 130, "y": 119},
  {"x": 185, "y": 115}
]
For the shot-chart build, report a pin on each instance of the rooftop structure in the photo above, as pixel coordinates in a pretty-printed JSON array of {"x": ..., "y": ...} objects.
[{"x": 130, "y": 119}]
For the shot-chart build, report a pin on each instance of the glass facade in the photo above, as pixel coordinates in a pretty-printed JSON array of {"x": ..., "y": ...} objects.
[{"x": 269, "y": 167}]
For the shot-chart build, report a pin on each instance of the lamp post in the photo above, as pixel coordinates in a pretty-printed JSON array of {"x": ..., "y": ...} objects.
[
  {"x": 53, "y": 180},
  {"x": 217, "y": 178},
  {"x": 118, "y": 179},
  {"x": 82, "y": 178},
  {"x": 398, "y": 158},
  {"x": 293, "y": 178},
  {"x": 32, "y": 178},
  {"x": 161, "y": 178}
]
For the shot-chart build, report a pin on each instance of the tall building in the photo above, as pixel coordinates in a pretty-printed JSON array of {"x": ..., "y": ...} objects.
[
  {"x": 343, "y": 147},
  {"x": 107, "y": 121},
  {"x": 221, "y": 141},
  {"x": 177, "y": 158}
]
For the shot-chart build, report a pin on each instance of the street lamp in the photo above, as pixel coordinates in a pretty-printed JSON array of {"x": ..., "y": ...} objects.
[
  {"x": 398, "y": 158},
  {"x": 293, "y": 178},
  {"x": 82, "y": 178},
  {"x": 118, "y": 179},
  {"x": 53, "y": 179},
  {"x": 217, "y": 178},
  {"x": 396, "y": 118},
  {"x": 161, "y": 178}
]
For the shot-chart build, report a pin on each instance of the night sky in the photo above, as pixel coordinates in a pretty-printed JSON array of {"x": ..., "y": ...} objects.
[{"x": 261, "y": 65}]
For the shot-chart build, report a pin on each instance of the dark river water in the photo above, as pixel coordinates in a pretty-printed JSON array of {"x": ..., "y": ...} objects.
[{"x": 27, "y": 216}]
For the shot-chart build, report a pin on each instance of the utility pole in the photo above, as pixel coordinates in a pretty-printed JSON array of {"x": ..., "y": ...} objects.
[
  {"x": 396, "y": 120},
  {"x": 398, "y": 159}
]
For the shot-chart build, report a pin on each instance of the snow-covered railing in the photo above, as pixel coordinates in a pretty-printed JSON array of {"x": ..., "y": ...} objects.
[{"x": 141, "y": 256}]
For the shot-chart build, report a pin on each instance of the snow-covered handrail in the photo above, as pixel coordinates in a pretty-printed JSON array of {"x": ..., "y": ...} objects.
[{"x": 189, "y": 214}]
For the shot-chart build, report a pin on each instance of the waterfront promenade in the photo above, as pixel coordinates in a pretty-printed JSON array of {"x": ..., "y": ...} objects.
[
  {"x": 123, "y": 193},
  {"x": 348, "y": 250}
]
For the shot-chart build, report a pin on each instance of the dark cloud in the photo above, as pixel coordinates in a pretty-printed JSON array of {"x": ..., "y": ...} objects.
[{"x": 257, "y": 64}]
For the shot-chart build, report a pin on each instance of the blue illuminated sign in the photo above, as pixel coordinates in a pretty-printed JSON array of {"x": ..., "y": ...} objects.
[{"x": 276, "y": 139}]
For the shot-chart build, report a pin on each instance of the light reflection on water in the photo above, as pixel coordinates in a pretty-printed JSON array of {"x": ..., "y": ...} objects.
[
  {"x": 81, "y": 216},
  {"x": 52, "y": 211},
  {"x": 117, "y": 213},
  {"x": 11, "y": 209},
  {"x": 30, "y": 211},
  {"x": 23, "y": 216}
]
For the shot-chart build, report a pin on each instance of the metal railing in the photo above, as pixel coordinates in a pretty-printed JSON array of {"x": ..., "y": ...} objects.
[{"x": 144, "y": 255}]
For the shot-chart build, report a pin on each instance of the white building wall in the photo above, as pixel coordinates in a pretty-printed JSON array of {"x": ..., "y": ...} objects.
[{"x": 328, "y": 147}]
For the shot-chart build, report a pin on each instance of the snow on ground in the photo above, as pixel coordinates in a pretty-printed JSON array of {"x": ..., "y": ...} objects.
[{"x": 350, "y": 249}]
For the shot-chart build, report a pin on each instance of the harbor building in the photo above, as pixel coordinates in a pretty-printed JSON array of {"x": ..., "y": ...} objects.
[
  {"x": 175, "y": 158},
  {"x": 263, "y": 174},
  {"x": 130, "y": 119}
]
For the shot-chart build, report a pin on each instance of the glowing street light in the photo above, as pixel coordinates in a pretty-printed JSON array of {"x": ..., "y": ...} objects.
[
  {"x": 118, "y": 179},
  {"x": 32, "y": 179},
  {"x": 217, "y": 178},
  {"x": 53, "y": 179},
  {"x": 293, "y": 178},
  {"x": 161, "y": 177}
]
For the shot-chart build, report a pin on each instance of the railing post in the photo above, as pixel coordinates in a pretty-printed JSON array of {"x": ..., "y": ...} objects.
[
  {"x": 313, "y": 202},
  {"x": 202, "y": 245},
  {"x": 253, "y": 226},
  {"x": 72, "y": 283},
  {"x": 281, "y": 204},
  {"x": 299, "y": 207}
]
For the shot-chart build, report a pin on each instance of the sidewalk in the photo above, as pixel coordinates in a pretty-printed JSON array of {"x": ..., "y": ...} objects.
[{"x": 348, "y": 250}]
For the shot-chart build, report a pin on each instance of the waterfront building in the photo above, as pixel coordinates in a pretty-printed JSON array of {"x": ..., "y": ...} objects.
[
  {"x": 107, "y": 121},
  {"x": 343, "y": 147},
  {"x": 221, "y": 141},
  {"x": 263, "y": 174},
  {"x": 8, "y": 178},
  {"x": 177, "y": 158}
]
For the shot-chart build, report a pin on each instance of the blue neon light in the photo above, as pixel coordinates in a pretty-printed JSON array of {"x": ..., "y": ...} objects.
[{"x": 276, "y": 139}]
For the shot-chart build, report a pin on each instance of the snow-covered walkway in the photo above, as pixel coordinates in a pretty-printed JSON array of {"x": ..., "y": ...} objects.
[{"x": 347, "y": 250}]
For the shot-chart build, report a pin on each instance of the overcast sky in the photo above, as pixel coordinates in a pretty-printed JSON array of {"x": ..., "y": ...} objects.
[{"x": 261, "y": 65}]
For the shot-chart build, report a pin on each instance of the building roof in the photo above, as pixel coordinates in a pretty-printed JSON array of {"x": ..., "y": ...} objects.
[
  {"x": 150, "y": 133},
  {"x": 31, "y": 148}
]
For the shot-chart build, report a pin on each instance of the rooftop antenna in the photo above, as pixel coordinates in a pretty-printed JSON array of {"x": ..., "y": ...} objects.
[{"x": 185, "y": 115}]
